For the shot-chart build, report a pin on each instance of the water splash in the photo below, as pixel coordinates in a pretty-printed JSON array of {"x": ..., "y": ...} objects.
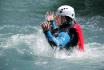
[
  {"x": 30, "y": 40},
  {"x": 93, "y": 51}
]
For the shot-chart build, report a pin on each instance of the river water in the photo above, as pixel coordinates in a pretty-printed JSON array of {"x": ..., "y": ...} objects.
[{"x": 23, "y": 45}]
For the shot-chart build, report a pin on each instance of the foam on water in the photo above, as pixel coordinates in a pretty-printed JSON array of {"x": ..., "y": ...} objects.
[
  {"x": 34, "y": 42},
  {"x": 92, "y": 51},
  {"x": 22, "y": 45},
  {"x": 37, "y": 45}
]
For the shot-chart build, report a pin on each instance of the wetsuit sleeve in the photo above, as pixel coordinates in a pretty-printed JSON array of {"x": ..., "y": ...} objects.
[
  {"x": 61, "y": 40},
  {"x": 53, "y": 24}
]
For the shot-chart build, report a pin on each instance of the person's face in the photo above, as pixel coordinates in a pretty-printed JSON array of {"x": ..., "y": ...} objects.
[{"x": 60, "y": 20}]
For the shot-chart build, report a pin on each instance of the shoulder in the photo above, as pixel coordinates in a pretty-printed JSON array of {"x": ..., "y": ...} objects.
[{"x": 75, "y": 26}]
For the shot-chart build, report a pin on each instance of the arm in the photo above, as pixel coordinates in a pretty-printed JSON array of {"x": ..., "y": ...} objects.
[
  {"x": 61, "y": 40},
  {"x": 53, "y": 24}
]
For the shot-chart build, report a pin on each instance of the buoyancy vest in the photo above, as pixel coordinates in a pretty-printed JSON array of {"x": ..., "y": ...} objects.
[
  {"x": 76, "y": 34},
  {"x": 78, "y": 29}
]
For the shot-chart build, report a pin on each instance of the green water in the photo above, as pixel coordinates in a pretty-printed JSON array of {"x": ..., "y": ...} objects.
[{"x": 23, "y": 45}]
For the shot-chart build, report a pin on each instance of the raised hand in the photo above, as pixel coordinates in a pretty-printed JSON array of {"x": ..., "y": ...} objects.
[
  {"x": 45, "y": 26},
  {"x": 50, "y": 15}
]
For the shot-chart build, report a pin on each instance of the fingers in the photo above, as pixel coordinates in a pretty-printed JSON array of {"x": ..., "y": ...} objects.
[
  {"x": 53, "y": 13},
  {"x": 46, "y": 15},
  {"x": 49, "y": 13},
  {"x": 45, "y": 26}
]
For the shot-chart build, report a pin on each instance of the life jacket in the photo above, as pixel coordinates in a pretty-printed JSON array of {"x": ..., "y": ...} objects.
[{"x": 78, "y": 29}]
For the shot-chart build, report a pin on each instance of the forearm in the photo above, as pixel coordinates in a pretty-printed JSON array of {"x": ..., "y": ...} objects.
[
  {"x": 52, "y": 38},
  {"x": 60, "y": 41},
  {"x": 53, "y": 24}
]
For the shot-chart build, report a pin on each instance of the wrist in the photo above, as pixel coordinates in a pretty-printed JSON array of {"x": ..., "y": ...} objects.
[
  {"x": 46, "y": 31},
  {"x": 50, "y": 20}
]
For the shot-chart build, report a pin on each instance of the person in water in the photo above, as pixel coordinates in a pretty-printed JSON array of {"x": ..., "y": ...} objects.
[
  {"x": 62, "y": 30},
  {"x": 55, "y": 37}
]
